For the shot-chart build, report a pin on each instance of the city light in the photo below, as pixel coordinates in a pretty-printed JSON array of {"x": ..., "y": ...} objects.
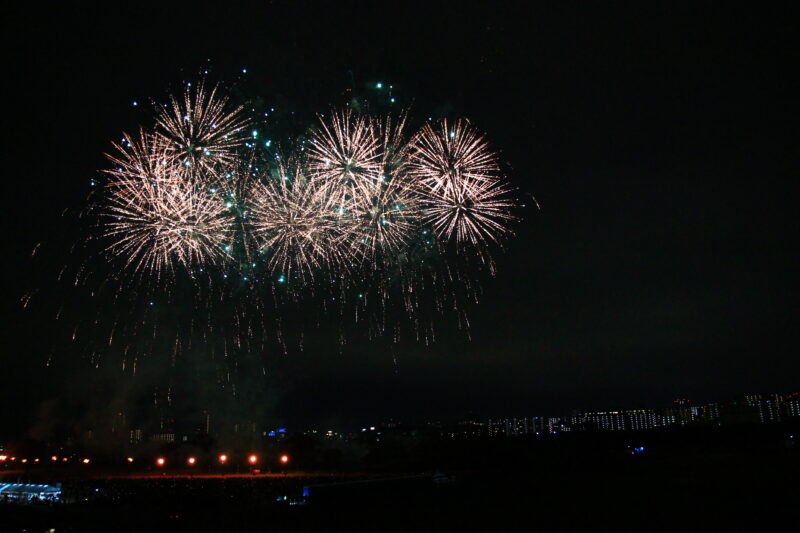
[
  {"x": 54, "y": 458},
  {"x": 3, "y": 457},
  {"x": 284, "y": 459},
  {"x": 223, "y": 458},
  {"x": 86, "y": 461},
  {"x": 160, "y": 461},
  {"x": 130, "y": 459},
  {"x": 191, "y": 461},
  {"x": 253, "y": 459}
]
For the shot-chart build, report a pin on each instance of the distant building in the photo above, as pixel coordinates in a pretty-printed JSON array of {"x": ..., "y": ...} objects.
[
  {"x": 769, "y": 408},
  {"x": 136, "y": 436},
  {"x": 557, "y": 425},
  {"x": 507, "y": 427},
  {"x": 629, "y": 420},
  {"x": 681, "y": 412},
  {"x": 791, "y": 405},
  {"x": 538, "y": 425},
  {"x": 163, "y": 437},
  {"x": 495, "y": 427},
  {"x": 710, "y": 414},
  {"x": 643, "y": 419},
  {"x": 601, "y": 421},
  {"x": 469, "y": 429},
  {"x": 793, "y": 408}
]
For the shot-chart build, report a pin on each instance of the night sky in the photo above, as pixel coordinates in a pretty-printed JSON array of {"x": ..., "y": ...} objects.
[{"x": 659, "y": 141}]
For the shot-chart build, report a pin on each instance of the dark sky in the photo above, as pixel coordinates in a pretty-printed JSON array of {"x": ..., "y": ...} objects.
[{"x": 660, "y": 142}]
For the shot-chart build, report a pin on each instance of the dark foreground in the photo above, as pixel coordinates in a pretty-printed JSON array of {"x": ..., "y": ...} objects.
[{"x": 696, "y": 481}]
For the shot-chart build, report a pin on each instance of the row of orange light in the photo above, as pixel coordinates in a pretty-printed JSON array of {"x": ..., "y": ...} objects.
[
  {"x": 4, "y": 458},
  {"x": 160, "y": 461},
  {"x": 222, "y": 458}
]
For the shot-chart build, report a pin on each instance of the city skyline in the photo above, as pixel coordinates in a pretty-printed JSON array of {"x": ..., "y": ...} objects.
[{"x": 682, "y": 412}]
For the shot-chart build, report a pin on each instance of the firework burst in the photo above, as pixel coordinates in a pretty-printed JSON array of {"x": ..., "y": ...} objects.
[
  {"x": 385, "y": 208},
  {"x": 357, "y": 214},
  {"x": 159, "y": 213},
  {"x": 298, "y": 224},
  {"x": 469, "y": 210},
  {"x": 451, "y": 152},
  {"x": 464, "y": 196},
  {"x": 223, "y": 248},
  {"x": 202, "y": 129},
  {"x": 344, "y": 154}
]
